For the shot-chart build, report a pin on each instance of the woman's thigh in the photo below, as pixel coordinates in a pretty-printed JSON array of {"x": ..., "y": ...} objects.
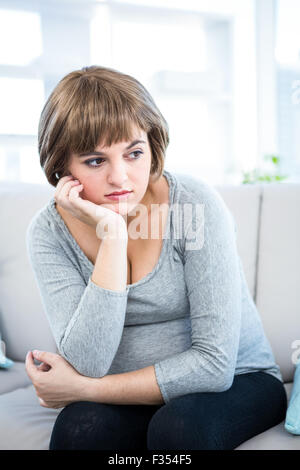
[
  {"x": 99, "y": 426},
  {"x": 254, "y": 403}
]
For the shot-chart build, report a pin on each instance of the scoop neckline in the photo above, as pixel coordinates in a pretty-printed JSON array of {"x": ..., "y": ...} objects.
[{"x": 60, "y": 221}]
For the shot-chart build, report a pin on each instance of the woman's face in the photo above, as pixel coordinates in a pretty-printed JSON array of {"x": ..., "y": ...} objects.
[{"x": 122, "y": 166}]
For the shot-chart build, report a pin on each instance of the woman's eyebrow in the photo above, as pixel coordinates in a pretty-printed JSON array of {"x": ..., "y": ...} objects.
[{"x": 95, "y": 152}]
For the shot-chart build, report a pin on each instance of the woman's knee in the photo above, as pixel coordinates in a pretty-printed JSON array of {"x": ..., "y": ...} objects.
[
  {"x": 101, "y": 426},
  {"x": 79, "y": 426},
  {"x": 173, "y": 428}
]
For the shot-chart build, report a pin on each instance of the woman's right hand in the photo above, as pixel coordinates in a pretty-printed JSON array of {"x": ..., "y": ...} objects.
[{"x": 108, "y": 224}]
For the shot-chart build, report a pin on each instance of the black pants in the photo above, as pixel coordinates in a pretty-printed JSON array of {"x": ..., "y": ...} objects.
[{"x": 255, "y": 402}]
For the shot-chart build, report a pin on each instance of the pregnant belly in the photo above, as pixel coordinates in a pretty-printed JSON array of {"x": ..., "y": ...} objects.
[{"x": 144, "y": 345}]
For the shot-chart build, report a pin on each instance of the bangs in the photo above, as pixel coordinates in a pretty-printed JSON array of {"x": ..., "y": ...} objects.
[
  {"x": 101, "y": 116},
  {"x": 97, "y": 106}
]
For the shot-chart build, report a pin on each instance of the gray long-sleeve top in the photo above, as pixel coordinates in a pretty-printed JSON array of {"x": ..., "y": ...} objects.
[{"x": 192, "y": 316}]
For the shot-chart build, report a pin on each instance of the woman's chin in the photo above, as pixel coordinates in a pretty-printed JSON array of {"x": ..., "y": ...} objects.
[{"x": 122, "y": 208}]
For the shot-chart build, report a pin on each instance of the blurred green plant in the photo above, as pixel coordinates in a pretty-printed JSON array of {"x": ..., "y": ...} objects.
[{"x": 258, "y": 175}]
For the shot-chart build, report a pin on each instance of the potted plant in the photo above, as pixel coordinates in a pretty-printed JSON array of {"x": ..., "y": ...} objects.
[{"x": 258, "y": 175}]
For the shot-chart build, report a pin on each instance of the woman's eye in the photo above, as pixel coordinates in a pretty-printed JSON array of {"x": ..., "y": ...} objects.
[
  {"x": 89, "y": 162},
  {"x": 99, "y": 161},
  {"x": 138, "y": 152}
]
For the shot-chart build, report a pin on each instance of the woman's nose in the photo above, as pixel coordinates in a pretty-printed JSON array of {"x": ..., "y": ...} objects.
[{"x": 117, "y": 176}]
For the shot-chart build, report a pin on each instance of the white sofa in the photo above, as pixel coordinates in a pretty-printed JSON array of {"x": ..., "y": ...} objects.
[{"x": 268, "y": 234}]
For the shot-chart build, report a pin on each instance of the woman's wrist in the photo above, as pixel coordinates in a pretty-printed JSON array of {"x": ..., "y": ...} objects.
[
  {"x": 113, "y": 229},
  {"x": 89, "y": 387}
]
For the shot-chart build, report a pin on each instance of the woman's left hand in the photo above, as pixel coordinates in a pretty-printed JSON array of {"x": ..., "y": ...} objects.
[{"x": 56, "y": 382}]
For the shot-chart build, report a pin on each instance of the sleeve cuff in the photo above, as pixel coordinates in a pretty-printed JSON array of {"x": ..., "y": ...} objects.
[
  {"x": 160, "y": 382},
  {"x": 116, "y": 293}
]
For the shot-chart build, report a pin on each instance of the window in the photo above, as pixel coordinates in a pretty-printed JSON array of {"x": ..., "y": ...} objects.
[
  {"x": 197, "y": 58},
  {"x": 287, "y": 53}
]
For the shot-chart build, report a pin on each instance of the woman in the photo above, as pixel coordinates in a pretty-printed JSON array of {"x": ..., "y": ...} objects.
[{"x": 160, "y": 343}]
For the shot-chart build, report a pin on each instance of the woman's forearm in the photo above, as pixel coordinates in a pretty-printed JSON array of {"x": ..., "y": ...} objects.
[
  {"x": 92, "y": 340},
  {"x": 110, "y": 271},
  {"x": 138, "y": 387}
]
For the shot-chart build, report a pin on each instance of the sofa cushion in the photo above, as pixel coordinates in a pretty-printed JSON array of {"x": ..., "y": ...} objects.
[
  {"x": 22, "y": 320},
  {"x": 13, "y": 378},
  {"x": 25, "y": 424},
  {"x": 276, "y": 438}
]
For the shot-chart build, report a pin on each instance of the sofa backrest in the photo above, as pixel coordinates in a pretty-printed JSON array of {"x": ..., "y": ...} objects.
[
  {"x": 268, "y": 239},
  {"x": 267, "y": 219},
  {"x": 278, "y": 286},
  {"x": 22, "y": 322}
]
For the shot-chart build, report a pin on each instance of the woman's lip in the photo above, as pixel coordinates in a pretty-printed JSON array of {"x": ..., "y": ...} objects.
[
  {"x": 117, "y": 197},
  {"x": 118, "y": 193}
]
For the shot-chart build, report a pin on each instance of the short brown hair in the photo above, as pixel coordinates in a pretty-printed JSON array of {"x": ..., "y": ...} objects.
[{"x": 97, "y": 106}]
